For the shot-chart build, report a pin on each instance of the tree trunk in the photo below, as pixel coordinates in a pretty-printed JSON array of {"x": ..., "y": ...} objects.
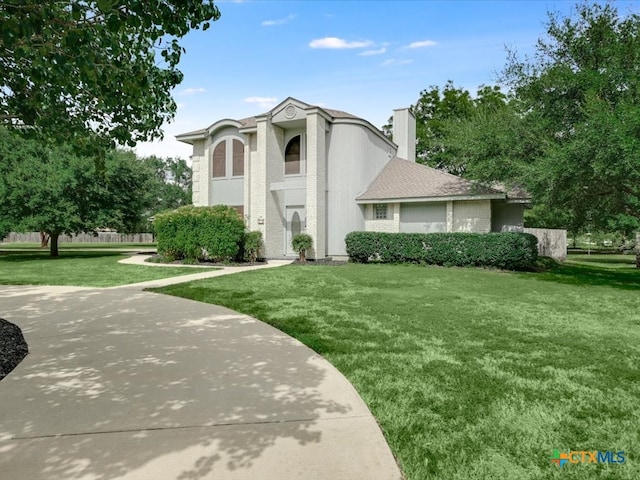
[
  {"x": 637, "y": 249},
  {"x": 54, "y": 244},
  {"x": 44, "y": 239}
]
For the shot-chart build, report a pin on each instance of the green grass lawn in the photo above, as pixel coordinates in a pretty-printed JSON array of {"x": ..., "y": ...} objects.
[
  {"x": 85, "y": 269},
  {"x": 472, "y": 374}
]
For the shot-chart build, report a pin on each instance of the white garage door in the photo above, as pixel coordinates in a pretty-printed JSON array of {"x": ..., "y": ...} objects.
[{"x": 423, "y": 217}]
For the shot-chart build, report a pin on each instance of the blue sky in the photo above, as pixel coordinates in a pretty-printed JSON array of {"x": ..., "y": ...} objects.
[{"x": 364, "y": 57}]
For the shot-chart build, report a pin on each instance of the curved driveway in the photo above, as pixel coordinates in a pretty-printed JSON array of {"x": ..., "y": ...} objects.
[{"x": 126, "y": 384}]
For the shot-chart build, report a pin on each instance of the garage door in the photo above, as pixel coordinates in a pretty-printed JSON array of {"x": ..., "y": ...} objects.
[{"x": 423, "y": 217}]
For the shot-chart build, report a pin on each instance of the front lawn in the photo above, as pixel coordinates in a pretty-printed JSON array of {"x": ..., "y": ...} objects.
[
  {"x": 82, "y": 269},
  {"x": 471, "y": 373}
]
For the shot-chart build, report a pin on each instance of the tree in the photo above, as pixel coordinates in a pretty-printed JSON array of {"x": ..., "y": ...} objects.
[
  {"x": 570, "y": 132},
  {"x": 56, "y": 191},
  {"x": 168, "y": 188},
  {"x": 435, "y": 111},
  {"x": 105, "y": 67}
]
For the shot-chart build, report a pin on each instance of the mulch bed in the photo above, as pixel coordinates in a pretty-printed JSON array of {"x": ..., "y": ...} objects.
[{"x": 13, "y": 347}]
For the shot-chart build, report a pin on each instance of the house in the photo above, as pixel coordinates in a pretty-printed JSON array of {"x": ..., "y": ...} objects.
[{"x": 304, "y": 168}]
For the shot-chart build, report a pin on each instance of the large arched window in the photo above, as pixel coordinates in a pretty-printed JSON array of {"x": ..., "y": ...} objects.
[
  {"x": 220, "y": 160},
  {"x": 228, "y": 155},
  {"x": 292, "y": 157}
]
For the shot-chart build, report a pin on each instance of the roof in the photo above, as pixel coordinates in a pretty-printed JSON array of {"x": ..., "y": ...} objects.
[
  {"x": 250, "y": 122},
  {"x": 402, "y": 179}
]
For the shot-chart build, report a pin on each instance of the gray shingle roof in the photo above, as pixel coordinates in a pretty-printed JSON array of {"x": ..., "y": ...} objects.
[{"x": 404, "y": 179}]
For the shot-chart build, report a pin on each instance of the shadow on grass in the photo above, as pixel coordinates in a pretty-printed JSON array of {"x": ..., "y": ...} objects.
[{"x": 575, "y": 274}]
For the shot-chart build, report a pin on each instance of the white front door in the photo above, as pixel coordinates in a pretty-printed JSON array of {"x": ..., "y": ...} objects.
[{"x": 296, "y": 223}]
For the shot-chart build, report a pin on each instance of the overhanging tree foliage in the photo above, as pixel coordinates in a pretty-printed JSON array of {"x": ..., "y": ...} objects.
[
  {"x": 56, "y": 191},
  {"x": 106, "y": 67}
]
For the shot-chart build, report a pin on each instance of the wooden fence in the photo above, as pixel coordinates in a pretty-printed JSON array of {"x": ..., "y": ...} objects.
[
  {"x": 551, "y": 242},
  {"x": 102, "y": 237}
]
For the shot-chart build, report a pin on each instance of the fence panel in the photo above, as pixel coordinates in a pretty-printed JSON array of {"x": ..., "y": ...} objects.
[
  {"x": 551, "y": 242},
  {"x": 102, "y": 237}
]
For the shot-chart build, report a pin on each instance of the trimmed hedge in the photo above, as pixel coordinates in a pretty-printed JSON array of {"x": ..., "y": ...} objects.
[
  {"x": 507, "y": 250},
  {"x": 200, "y": 233}
]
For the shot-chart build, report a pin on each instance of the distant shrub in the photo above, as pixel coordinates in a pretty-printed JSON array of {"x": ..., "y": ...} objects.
[
  {"x": 507, "y": 250},
  {"x": 301, "y": 244},
  {"x": 200, "y": 233}
]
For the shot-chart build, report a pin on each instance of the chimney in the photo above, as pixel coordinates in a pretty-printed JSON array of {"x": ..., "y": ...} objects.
[{"x": 404, "y": 133}]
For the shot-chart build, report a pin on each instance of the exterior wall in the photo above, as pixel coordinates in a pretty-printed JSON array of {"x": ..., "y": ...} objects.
[
  {"x": 317, "y": 184},
  {"x": 201, "y": 175},
  {"x": 389, "y": 225},
  {"x": 472, "y": 216},
  {"x": 506, "y": 217},
  {"x": 271, "y": 155},
  {"x": 355, "y": 156},
  {"x": 425, "y": 217},
  {"x": 256, "y": 183},
  {"x": 404, "y": 133}
]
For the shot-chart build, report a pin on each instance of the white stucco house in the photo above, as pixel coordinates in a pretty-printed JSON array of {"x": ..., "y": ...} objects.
[{"x": 304, "y": 168}]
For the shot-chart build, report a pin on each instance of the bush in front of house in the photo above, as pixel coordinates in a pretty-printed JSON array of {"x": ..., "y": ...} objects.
[
  {"x": 200, "y": 233},
  {"x": 507, "y": 250},
  {"x": 251, "y": 246},
  {"x": 301, "y": 244}
]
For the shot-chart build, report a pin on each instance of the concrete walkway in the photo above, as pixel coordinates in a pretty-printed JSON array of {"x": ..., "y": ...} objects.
[{"x": 126, "y": 384}]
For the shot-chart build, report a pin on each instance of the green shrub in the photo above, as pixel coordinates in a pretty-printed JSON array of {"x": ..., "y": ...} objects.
[
  {"x": 252, "y": 244},
  {"x": 507, "y": 250},
  {"x": 200, "y": 233},
  {"x": 301, "y": 243}
]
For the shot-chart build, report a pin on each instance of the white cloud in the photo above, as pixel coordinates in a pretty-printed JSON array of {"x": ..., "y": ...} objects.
[
  {"x": 191, "y": 91},
  {"x": 280, "y": 21},
  {"x": 338, "y": 43},
  {"x": 395, "y": 62},
  {"x": 262, "y": 102},
  {"x": 379, "y": 51},
  {"x": 422, "y": 44}
]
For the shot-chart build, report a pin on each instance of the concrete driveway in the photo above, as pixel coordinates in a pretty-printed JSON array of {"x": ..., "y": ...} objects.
[{"x": 126, "y": 384}]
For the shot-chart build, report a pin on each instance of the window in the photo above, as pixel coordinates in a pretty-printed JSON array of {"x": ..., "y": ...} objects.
[
  {"x": 229, "y": 153},
  {"x": 380, "y": 211},
  {"x": 292, "y": 157},
  {"x": 220, "y": 160},
  {"x": 238, "y": 158}
]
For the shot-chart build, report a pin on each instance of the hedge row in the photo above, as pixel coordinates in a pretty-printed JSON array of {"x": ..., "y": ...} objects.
[
  {"x": 507, "y": 250},
  {"x": 201, "y": 233}
]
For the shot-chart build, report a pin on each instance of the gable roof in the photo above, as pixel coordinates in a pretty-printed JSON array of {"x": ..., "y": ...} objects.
[{"x": 409, "y": 181}]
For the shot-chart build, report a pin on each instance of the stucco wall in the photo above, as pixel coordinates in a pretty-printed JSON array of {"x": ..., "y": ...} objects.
[
  {"x": 355, "y": 157},
  {"x": 472, "y": 216}
]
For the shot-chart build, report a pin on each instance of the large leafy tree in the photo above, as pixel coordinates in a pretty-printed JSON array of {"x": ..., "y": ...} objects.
[
  {"x": 104, "y": 67},
  {"x": 580, "y": 94},
  {"x": 54, "y": 190},
  {"x": 436, "y": 111}
]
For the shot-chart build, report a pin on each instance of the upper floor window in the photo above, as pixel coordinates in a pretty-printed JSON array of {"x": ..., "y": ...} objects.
[
  {"x": 292, "y": 157},
  {"x": 220, "y": 160},
  {"x": 228, "y": 155},
  {"x": 238, "y": 158}
]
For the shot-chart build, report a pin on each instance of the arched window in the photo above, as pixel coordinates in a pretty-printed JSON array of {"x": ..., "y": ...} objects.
[
  {"x": 220, "y": 160},
  {"x": 292, "y": 157},
  {"x": 228, "y": 154},
  {"x": 238, "y": 158}
]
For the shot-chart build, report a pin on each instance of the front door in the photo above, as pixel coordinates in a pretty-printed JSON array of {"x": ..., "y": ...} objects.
[{"x": 296, "y": 223}]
